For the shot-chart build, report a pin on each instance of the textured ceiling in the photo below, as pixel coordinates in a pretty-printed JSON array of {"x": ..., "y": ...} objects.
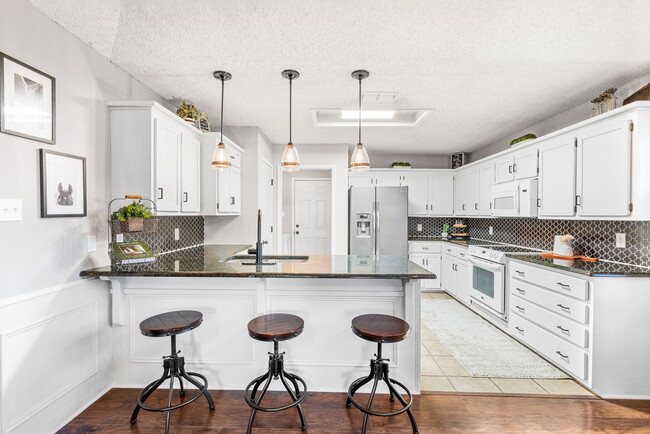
[{"x": 487, "y": 67}]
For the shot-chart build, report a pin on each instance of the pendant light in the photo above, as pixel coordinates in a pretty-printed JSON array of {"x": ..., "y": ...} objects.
[
  {"x": 220, "y": 157},
  {"x": 290, "y": 160},
  {"x": 359, "y": 162}
]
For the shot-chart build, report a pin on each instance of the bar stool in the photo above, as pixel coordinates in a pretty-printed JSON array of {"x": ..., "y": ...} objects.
[
  {"x": 274, "y": 328},
  {"x": 172, "y": 324},
  {"x": 380, "y": 329}
]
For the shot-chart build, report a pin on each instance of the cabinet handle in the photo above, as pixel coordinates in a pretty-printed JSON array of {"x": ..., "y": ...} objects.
[
  {"x": 520, "y": 330},
  {"x": 297, "y": 232},
  {"x": 509, "y": 169},
  {"x": 476, "y": 206},
  {"x": 232, "y": 200},
  {"x": 463, "y": 207},
  {"x": 562, "y": 355},
  {"x": 427, "y": 262},
  {"x": 521, "y": 273},
  {"x": 563, "y": 330},
  {"x": 521, "y": 291},
  {"x": 425, "y": 248},
  {"x": 521, "y": 309},
  {"x": 564, "y": 308},
  {"x": 539, "y": 203},
  {"x": 232, "y": 157},
  {"x": 578, "y": 200},
  {"x": 185, "y": 196},
  {"x": 160, "y": 190},
  {"x": 427, "y": 207},
  {"x": 514, "y": 168},
  {"x": 564, "y": 285}
]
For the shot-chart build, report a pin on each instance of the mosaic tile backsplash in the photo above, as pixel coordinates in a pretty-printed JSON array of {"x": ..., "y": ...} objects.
[
  {"x": 190, "y": 230},
  {"x": 592, "y": 237}
]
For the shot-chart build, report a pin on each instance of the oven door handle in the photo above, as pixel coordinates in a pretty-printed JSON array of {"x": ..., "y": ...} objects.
[{"x": 485, "y": 264}]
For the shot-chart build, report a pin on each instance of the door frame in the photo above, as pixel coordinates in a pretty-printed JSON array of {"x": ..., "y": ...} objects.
[
  {"x": 278, "y": 201},
  {"x": 293, "y": 208}
]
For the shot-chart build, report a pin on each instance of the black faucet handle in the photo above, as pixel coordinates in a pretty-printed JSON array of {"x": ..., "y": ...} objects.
[{"x": 265, "y": 242}]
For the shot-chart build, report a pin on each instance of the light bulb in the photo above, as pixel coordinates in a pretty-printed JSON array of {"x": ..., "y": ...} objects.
[
  {"x": 290, "y": 160},
  {"x": 359, "y": 162},
  {"x": 220, "y": 158}
]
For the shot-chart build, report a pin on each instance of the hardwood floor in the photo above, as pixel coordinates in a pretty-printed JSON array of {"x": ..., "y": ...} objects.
[{"x": 326, "y": 413}]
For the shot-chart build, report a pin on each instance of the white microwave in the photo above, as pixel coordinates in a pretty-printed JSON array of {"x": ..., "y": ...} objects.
[{"x": 515, "y": 199}]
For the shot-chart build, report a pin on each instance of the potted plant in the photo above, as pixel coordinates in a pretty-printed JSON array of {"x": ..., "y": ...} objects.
[
  {"x": 134, "y": 216},
  {"x": 189, "y": 113},
  {"x": 400, "y": 165},
  {"x": 524, "y": 138}
]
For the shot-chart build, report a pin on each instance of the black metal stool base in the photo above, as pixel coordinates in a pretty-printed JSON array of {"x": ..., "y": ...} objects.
[
  {"x": 174, "y": 367},
  {"x": 379, "y": 372},
  {"x": 276, "y": 371}
]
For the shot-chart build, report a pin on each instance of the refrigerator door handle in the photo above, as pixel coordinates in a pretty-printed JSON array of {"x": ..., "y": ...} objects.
[
  {"x": 373, "y": 229},
  {"x": 377, "y": 218}
]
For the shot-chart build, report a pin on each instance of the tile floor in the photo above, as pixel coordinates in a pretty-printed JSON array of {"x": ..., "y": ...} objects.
[{"x": 441, "y": 372}]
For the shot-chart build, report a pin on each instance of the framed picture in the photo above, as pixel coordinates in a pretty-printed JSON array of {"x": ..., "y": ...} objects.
[
  {"x": 63, "y": 185},
  {"x": 457, "y": 159},
  {"x": 27, "y": 101}
]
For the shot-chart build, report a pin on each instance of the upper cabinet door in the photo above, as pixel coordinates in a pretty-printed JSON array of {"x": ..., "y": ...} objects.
[
  {"x": 604, "y": 169},
  {"x": 525, "y": 163},
  {"x": 190, "y": 174},
  {"x": 504, "y": 171},
  {"x": 224, "y": 202},
  {"x": 557, "y": 177},
  {"x": 167, "y": 148},
  {"x": 235, "y": 190},
  {"x": 387, "y": 179},
  {"x": 460, "y": 193},
  {"x": 418, "y": 193},
  {"x": 486, "y": 181},
  {"x": 473, "y": 193},
  {"x": 441, "y": 195},
  {"x": 364, "y": 179}
]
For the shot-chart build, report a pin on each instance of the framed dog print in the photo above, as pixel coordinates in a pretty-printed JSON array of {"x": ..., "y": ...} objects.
[
  {"x": 63, "y": 185},
  {"x": 27, "y": 101}
]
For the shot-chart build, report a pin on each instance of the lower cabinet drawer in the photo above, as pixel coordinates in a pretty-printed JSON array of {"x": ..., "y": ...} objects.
[
  {"x": 562, "y": 353},
  {"x": 556, "y": 324},
  {"x": 424, "y": 247},
  {"x": 567, "y": 285},
  {"x": 560, "y": 304}
]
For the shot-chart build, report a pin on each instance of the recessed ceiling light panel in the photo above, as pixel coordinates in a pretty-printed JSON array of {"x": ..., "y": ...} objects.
[
  {"x": 371, "y": 118},
  {"x": 368, "y": 114}
]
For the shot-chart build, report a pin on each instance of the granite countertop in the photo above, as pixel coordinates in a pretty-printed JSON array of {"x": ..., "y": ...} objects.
[
  {"x": 470, "y": 242},
  {"x": 595, "y": 269},
  {"x": 205, "y": 261}
]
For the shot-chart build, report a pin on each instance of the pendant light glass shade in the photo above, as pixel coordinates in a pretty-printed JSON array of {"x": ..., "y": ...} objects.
[
  {"x": 220, "y": 157},
  {"x": 359, "y": 161},
  {"x": 290, "y": 159}
]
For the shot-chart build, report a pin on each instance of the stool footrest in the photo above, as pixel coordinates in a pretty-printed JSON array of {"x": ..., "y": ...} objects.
[
  {"x": 374, "y": 413},
  {"x": 249, "y": 400}
]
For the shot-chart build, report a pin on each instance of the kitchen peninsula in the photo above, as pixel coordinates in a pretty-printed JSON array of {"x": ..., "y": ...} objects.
[{"x": 326, "y": 291}]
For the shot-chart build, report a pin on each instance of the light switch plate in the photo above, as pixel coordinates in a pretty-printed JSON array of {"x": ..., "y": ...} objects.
[
  {"x": 491, "y": 230},
  {"x": 91, "y": 243},
  {"x": 177, "y": 234},
  {"x": 419, "y": 227},
  {"x": 620, "y": 241},
  {"x": 119, "y": 238},
  {"x": 11, "y": 210}
]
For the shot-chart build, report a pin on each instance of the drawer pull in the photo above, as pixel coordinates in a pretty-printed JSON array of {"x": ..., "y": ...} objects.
[
  {"x": 521, "y": 291},
  {"x": 564, "y": 308},
  {"x": 521, "y": 309},
  {"x": 520, "y": 330},
  {"x": 425, "y": 248},
  {"x": 521, "y": 273},
  {"x": 563, "y": 330},
  {"x": 564, "y": 285},
  {"x": 562, "y": 355}
]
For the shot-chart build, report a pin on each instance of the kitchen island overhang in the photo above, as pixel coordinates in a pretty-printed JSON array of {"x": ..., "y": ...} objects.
[{"x": 326, "y": 291}]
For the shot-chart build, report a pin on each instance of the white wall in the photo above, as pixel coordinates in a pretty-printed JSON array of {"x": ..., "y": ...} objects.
[
  {"x": 418, "y": 161},
  {"x": 561, "y": 120},
  {"x": 56, "y": 345}
]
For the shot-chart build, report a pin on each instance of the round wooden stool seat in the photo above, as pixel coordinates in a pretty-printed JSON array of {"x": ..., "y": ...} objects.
[
  {"x": 380, "y": 328},
  {"x": 275, "y": 327},
  {"x": 171, "y": 323}
]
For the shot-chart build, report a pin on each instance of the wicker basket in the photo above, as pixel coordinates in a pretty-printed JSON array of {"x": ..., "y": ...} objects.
[{"x": 134, "y": 224}]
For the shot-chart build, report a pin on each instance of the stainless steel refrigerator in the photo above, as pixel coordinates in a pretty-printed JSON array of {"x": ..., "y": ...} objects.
[{"x": 378, "y": 223}]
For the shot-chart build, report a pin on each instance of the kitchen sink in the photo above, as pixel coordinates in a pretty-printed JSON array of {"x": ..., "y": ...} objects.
[{"x": 266, "y": 258}]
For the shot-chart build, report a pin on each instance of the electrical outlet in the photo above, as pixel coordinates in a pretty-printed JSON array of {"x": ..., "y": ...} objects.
[
  {"x": 11, "y": 210},
  {"x": 177, "y": 234},
  {"x": 419, "y": 227},
  {"x": 177, "y": 265},
  {"x": 119, "y": 238},
  {"x": 91, "y": 243},
  {"x": 620, "y": 241},
  {"x": 491, "y": 230}
]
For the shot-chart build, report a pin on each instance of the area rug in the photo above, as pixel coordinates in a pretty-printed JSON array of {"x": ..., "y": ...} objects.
[{"x": 482, "y": 349}]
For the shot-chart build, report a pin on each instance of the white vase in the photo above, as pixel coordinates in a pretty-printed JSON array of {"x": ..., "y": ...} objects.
[{"x": 562, "y": 248}]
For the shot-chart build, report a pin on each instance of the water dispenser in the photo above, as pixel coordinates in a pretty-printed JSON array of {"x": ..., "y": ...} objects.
[{"x": 363, "y": 225}]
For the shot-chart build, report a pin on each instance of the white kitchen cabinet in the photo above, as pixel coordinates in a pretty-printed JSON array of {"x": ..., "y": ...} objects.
[
  {"x": 604, "y": 169},
  {"x": 557, "y": 177},
  {"x": 376, "y": 178},
  {"x": 462, "y": 281},
  {"x": 473, "y": 192},
  {"x": 455, "y": 269},
  {"x": 388, "y": 179},
  {"x": 449, "y": 275},
  {"x": 363, "y": 179},
  {"x": 460, "y": 193},
  {"x": 190, "y": 174},
  {"x": 486, "y": 181},
  {"x": 427, "y": 255},
  {"x": 220, "y": 190},
  {"x": 154, "y": 155},
  {"x": 525, "y": 163},
  {"x": 503, "y": 169},
  {"x": 418, "y": 193},
  {"x": 441, "y": 194}
]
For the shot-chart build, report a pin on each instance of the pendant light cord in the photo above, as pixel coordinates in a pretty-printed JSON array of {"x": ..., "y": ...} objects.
[
  {"x": 222, "y": 90},
  {"x": 359, "y": 110},
  {"x": 290, "y": 99}
]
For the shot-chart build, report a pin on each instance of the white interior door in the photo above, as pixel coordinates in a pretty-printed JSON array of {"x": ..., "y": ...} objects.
[
  {"x": 312, "y": 216},
  {"x": 266, "y": 204}
]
